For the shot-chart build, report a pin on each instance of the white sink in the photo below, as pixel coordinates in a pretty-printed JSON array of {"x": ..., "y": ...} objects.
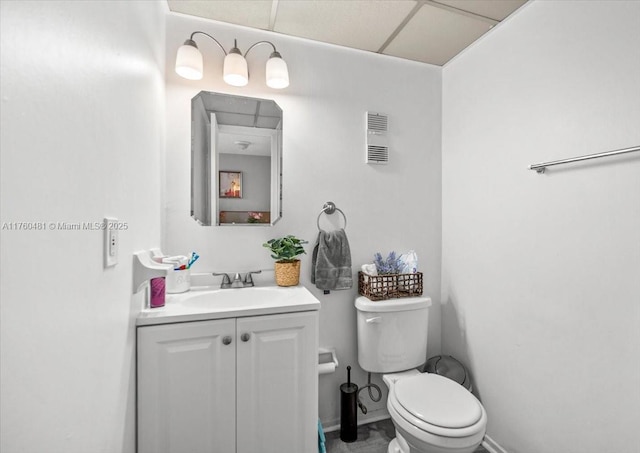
[
  {"x": 237, "y": 297},
  {"x": 207, "y": 303}
]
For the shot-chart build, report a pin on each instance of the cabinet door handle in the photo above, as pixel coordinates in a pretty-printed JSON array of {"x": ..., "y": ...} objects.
[
  {"x": 245, "y": 337},
  {"x": 226, "y": 340}
]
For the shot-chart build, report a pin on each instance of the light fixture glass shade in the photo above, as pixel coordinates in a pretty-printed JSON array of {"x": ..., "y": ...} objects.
[
  {"x": 235, "y": 69},
  {"x": 277, "y": 72},
  {"x": 189, "y": 61}
]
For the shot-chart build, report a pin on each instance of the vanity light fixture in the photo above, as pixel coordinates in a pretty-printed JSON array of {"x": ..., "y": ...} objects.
[{"x": 235, "y": 71}]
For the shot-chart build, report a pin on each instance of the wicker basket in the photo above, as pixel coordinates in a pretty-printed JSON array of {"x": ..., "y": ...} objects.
[
  {"x": 287, "y": 274},
  {"x": 389, "y": 286}
]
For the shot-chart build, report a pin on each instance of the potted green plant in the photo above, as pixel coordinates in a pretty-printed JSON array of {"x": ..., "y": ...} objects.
[{"x": 285, "y": 251}]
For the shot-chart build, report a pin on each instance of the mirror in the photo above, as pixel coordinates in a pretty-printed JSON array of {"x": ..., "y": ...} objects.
[{"x": 236, "y": 160}]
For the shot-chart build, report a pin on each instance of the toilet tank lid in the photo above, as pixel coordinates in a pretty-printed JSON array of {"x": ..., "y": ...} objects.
[{"x": 401, "y": 304}]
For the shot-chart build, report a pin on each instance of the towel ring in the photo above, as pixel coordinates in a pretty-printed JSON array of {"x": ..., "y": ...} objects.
[{"x": 329, "y": 208}]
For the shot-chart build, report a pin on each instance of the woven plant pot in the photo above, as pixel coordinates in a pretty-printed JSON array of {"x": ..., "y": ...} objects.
[{"x": 288, "y": 274}]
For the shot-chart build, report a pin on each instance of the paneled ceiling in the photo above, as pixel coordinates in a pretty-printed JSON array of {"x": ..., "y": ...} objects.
[{"x": 428, "y": 31}]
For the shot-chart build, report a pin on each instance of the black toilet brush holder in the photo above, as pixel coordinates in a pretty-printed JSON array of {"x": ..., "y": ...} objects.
[{"x": 348, "y": 410}]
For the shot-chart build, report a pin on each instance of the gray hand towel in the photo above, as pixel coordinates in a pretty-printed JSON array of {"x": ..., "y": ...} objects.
[{"x": 331, "y": 261}]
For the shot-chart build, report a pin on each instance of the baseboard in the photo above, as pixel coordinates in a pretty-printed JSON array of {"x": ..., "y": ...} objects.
[
  {"x": 492, "y": 446},
  {"x": 335, "y": 426}
]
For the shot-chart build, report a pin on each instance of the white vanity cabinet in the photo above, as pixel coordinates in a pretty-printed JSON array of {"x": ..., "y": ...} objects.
[{"x": 234, "y": 385}]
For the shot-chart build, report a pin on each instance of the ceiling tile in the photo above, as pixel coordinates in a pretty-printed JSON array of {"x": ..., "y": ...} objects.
[
  {"x": 359, "y": 24},
  {"x": 439, "y": 30},
  {"x": 496, "y": 10},
  {"x": 435, "y": 35},
  {"x": 250, "y": 13}
]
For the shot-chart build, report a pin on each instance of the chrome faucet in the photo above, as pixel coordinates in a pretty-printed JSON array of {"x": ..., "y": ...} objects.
[{"x": 238, "y": 281}]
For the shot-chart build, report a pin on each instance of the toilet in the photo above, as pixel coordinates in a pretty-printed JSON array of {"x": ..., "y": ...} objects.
[{"x": 431, "y": 413}]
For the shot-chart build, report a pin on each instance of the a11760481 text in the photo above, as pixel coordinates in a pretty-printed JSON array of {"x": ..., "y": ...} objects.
[{"x": 64, "y": 226}]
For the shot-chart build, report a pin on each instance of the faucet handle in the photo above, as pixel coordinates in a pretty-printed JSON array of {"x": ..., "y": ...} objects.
[
  {"x": 248, "y": 279},
  {"x": 226, "y": 280}
]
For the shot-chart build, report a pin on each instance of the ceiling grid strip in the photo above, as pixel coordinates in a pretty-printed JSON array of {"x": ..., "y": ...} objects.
[
  {"x": 399, "y": 28},
  {"x": 462, "y": 12},
  {"x": 273, "y": 15}
]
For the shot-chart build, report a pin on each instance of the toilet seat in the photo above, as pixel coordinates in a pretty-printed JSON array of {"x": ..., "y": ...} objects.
[{"x": 437, "y": 405}]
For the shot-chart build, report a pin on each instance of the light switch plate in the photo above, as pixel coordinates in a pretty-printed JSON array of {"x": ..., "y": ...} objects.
[{"x": 111, "y": 242}]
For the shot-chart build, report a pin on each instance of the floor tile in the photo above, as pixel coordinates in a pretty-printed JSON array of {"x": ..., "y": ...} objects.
[{"x": 372, "y": 438}]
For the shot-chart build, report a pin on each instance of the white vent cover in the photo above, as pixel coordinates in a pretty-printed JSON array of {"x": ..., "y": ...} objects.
[{"x": 377, "y": 148}]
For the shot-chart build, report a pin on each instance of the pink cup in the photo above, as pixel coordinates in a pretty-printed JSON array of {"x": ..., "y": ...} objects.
[{"x": 157, "y": 292}]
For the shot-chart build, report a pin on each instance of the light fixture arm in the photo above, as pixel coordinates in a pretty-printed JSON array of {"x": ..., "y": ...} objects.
[
  {"x": 207, "y": 34},
  {"x": 263, "y": 42}
]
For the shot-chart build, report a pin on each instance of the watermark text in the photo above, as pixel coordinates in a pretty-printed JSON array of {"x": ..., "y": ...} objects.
[{"x": 64, "y": 226}]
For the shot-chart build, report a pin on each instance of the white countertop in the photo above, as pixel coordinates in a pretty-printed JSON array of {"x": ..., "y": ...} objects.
[{"x": 206, "y": 302}]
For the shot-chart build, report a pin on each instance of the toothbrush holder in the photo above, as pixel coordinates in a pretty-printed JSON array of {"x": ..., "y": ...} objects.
[{"x": 178, "y": 281}]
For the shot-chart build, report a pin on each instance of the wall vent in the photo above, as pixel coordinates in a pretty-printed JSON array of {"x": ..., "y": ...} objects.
[
  {"x": 377, "y": 123},
  {"x": 377, "y": 148}
]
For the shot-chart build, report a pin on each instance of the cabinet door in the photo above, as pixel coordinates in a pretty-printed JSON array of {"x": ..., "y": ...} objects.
[
  {"x": 186, "y": 387},
  {"x": 277, "y": 376}
]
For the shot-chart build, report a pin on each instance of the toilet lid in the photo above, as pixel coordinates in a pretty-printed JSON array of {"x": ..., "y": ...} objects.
[{"x": 438, "y": 401}]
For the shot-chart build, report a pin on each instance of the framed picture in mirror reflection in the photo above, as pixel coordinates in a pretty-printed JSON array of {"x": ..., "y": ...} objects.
[{"x": 230, "y": 184}]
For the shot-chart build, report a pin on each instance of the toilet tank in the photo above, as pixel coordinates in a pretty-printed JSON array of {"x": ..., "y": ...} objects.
[{"x": 392, "y": 334}]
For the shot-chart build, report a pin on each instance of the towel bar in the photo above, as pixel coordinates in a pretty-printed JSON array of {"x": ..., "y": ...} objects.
[{"x": 540, "y": 168}]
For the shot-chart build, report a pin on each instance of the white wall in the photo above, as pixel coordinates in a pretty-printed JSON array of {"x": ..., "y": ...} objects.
[
  {"x": 540, "y": 285},
  {"x": 393, "y": 207},
  {"x": 82, "y": 135}
]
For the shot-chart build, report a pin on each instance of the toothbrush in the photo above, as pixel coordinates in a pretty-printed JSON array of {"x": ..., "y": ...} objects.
[{"x": 194, "y": 258}]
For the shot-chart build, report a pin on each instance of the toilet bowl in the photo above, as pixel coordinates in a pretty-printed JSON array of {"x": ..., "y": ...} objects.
[{"x": 433, "y": 414}]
